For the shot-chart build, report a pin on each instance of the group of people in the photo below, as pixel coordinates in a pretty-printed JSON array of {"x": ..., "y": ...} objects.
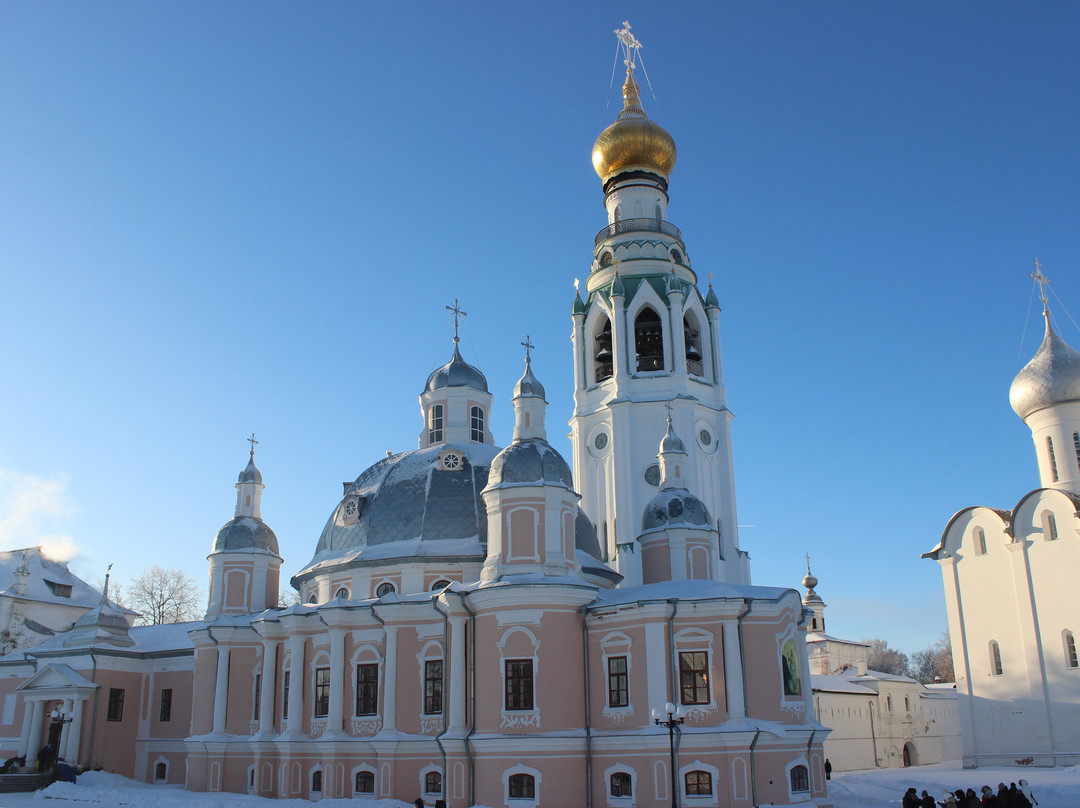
[{"x": 1009, "y": 796}]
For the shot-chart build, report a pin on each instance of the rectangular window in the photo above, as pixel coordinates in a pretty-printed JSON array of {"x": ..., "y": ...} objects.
[
  {"x": 116, "y": 704},
  {"x": 367, "y": 689},
  {"x": 433, "y": 682},
  {"x": 435, "y": 424},
  {"x": 257, "y": 701},
  {"x": 698, "y": 784},
  {"x": 285, "y": 694},
  {"x": 694, "y": 677},
  {"x": 519, "y": 684},
  {"x": 476, "y": 424},
  {"x": 165, "y": 712},
  {"x": 1053, "y": 460},
  {"x": 618, "y": 686},
  {"x": 1076, "y": 447},
  {"x": 322, "y": 693},
  {"x": 60, "y": 590}
]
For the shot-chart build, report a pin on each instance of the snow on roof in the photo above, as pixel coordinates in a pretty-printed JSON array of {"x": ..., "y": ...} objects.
[
  {"x": 692, "y": 590},
  {"x": 43, "y": 572},
  {"x": 837, "y": 683},
  {"x": 817, "y": 636}
]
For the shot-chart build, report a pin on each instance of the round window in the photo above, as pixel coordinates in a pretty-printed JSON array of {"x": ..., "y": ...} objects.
[
  {"x": 705, "y": 437},
  {"x": 350, "y": 507},
  {"x": 451, "y": 461},
  {"x": 600, "y": 441},
  {"x": 652, "y": 475},
  {"x": 384, "y": 589}
]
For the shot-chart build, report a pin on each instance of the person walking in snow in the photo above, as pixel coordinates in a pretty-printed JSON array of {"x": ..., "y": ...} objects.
[{"x": 1025, "y": 789}]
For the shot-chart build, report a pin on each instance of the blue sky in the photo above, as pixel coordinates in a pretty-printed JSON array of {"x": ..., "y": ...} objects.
[{"x": 224, "y": 218}]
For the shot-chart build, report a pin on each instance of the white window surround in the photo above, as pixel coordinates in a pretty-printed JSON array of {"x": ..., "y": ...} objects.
[
  {"x": 424, "y": 772},
  {"x": 687, "y": 800},
  {"x": 521, "y": 802},
  {"x": 688, "y": 641},
  {"x": 432, "y": 651},
  {"x": 797, "y": 701},
  {"x": 511, "y": 544},
  {"x": 800, "y": 761},
  {"x": 621, "y": 802},
  {"x": 366, "y": 655},
  {"x": 364, "y": 767},
  {"x": 320, "y": 769},
  {"x": 519, "y": 718},
  {"x": 154, "y": 767},
  {"x": 616, "y": 644}
]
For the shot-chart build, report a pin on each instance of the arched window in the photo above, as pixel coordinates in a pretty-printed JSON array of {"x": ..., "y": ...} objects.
[
  {"x": 621, "y": 785},
  {"x": 342, "y": 593},
  {"x": 649, "y": 341},
  {"x": 603, "y": 356},
  {"x": 980, "y": 541},
  {"x": 161, "y": 770},
  {"x": 365, "y": 782},
  {"x": 435, "y": 424},
  {"x": 800, "y": 778},
  {"x": 995, "y": 659},
  {"x": 1070, "y": 649},
  {"x": 522, "y": 787},
  {"x": 1050, "y": 526},
  {"x": 692, "y": 338},
  {"x": 384, "y": 589},
  {"x": 316, "y": 780},
  {"x": 476, "y": 424},
  {"x": 440, "y": 585},
  {"x": 1053, "y": 460},
  {"x": 676, "y": 256},
  {"x": 605, "y": 258},
  {"x": 698, "y": 784},
  {"x": 433, "y": 783},
  {"x": 313, "y": 598}
]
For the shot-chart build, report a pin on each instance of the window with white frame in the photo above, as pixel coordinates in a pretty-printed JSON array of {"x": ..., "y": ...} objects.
[
  {"x": 367, "y": 689},
  {"x": 433, "y": 687},
  {"x": 618, "y": 682},
  {"x": 694, "y": 677},
  {"x": 980, "y": 541},
  {"x": 519, "y": 684},
  {"x": 995, "y": 659},
  {"x": 1051, "y": 527},
  {"x": 1052, "y": 458},
  {"x": 321, "y": 705},
  {"x": 799, "y": 778},
  {"x": 621, "y": 784},
  {"x": 435, "y": 423},
  {"x": 365, "y": 782},
  {"x": 433, "y": 782},
  {"x": 522, "y": 787},
  {"x": 697, "y": 783},
  {"x": 476, "y": 424}
]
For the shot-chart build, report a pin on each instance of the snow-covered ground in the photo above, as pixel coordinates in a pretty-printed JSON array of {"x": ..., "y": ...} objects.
[
  {"x": 875, "y": 788},
  {"x": 1054, "y": 788}
]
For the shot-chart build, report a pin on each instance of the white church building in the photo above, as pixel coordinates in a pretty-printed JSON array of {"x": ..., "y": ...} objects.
[{"x": 1010, "y": 585}]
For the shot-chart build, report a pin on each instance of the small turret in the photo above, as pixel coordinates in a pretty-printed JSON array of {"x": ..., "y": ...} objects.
[{"x": 812, "y": 601}]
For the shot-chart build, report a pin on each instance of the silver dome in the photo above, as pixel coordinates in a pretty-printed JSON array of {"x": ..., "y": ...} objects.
[
  {"x": 250, "y": 474},
  {"x": 412, "y": 497},
  {"x": 245, "y": 533},
  {"x": 1051, "y": 377},
  {"x": 671, "y": 442},
  {"x": 529, "y": 461},
  {"x": 528, "y": 385},
  {"x": 675, "y": 508},
  {"x": 456, "y": 373}
]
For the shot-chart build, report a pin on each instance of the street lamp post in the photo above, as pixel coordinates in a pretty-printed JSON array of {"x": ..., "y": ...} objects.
[{"x": 675, "y": 716}]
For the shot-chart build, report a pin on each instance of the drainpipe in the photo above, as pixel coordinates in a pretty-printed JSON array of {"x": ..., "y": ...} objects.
[
  {"x": 747, "y": 602},
  {"x": 873, "y": 736},
  {"x": 809, "y": 744},
  {"x": 93, "y": 719},
  {"x": 753, "y": 772},
  {"x": 472, "y": 698},
  {"x": 588, "y": 714},
  {"x": 448, "y": 674}
]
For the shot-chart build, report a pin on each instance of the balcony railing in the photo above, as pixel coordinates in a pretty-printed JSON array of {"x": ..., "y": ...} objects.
[{"x": 638, "y": 225}]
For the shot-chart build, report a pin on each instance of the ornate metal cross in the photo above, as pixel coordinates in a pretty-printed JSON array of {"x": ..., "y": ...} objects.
[
  {"x": 630, "y": 44},
  {"x": 527, "y": 344},
  {"x": 1042, "y": 280},
  {"x": 253, "y": 443},
  {"x": 456, "y": 309}
]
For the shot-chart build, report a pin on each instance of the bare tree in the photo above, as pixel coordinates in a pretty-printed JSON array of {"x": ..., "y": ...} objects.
[
  {"x": 935, "y": 662},
  {"x": 164, "y": 596},
  {"x": 288, "y": 597},
  {"x": 885, "y": 659}
]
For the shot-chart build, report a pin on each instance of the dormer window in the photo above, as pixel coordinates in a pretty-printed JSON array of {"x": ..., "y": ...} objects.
[{"x": 60, "y": 590}]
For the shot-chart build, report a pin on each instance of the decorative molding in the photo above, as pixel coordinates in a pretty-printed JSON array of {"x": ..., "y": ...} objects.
[
  {"x": 519, "y": 617},
  {"x": 369, "y": 725},
  {"x": 431, "y": 726},
  {"x": 617, "y": 714},
  {"x": 318, "y": 727},
  {"x": 520, "y": 719}
]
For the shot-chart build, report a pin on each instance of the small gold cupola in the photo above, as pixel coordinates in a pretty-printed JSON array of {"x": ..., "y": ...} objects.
[{"x": 633, "y": 142}]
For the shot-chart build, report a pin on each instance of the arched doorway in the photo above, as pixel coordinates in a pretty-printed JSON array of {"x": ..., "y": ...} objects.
[{"x": 911, "y": 756}]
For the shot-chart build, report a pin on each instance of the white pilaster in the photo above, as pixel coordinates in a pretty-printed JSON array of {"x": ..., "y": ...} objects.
[
  {"x": 336, "y": 708},
  {"x": 35, "y": 732},
  {"x": 65, "y": 729},
  {"x": 457, "y": 673},
  {"x": 221, "y": 689},
  {"x": 296, "y": 684},
  {"x": 71, "y": 752},
  {"x": 390, "y": 681},
  {"x": 266, "y": 694},
  {"x": 28, "y": 720},
  {"x": 733, "y": 674}
]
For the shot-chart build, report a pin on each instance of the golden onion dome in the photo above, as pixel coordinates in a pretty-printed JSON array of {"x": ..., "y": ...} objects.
[{"x": 633, "y": 141}]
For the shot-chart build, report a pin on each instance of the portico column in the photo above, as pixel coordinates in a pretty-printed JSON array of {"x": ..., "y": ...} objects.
[
  {"x": 71, "y": 753},
  {"x": 390, "y": 680},
  {"x": 65, "y": 729},
  {"x": 296, "y": 683},
  {"x": 733, "y": 675},
  {"x": 266, "y": 689},
  {"x": 28, "y": 719},
  {"x": 35, "y": 733},
  {"x": 221, "y": 690},
  {"x": 336, "y": 708},
  {"x": 457, "y": 673}
]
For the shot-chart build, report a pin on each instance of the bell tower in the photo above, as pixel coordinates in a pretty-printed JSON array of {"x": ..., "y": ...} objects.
[{"x": 645, "y": 339}]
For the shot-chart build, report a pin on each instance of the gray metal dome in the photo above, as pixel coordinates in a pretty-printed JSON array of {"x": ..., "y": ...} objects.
[
  {"x": 456, "y": 373},
  {"x": 245, "y": 533},
  {"x": 585, "y": 538},
  {"x": 1051, "y": 377},
  {"x": 675, "y": 508},
  {"x": 415, "y": 498},
  {"x": 250, "y": 474},
  {"x": 529, "y": 461},
  {"x": 671, "y": 442},
  {"x": 528, "y": 384}
]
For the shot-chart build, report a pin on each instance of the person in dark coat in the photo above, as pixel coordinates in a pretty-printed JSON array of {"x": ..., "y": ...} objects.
[
  {"x": 927, "y": 801},
  {"x": 1018, "y": 798},
  {"x": 971, "y": 799},
  {"x": 911, "y": 799},
  {"x": 45, "y": 758},
  {"x": 1004, "y": 797},
  {"x": 989, "y": 798},
  {"x": 828, "y": 769},
  {"x": 418, "y": 803}
]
